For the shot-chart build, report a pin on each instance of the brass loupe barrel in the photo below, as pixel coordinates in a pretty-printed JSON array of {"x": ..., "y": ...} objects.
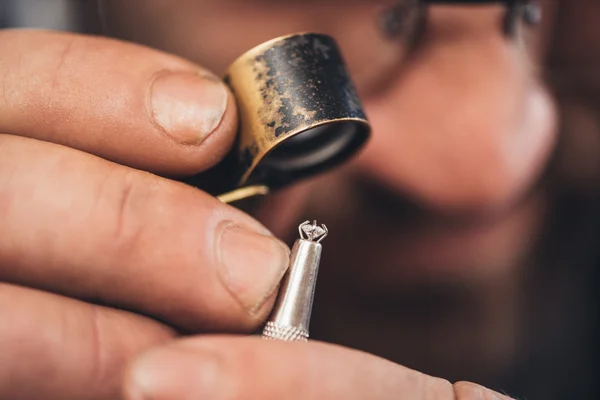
[{"x": 299, "y": 115}]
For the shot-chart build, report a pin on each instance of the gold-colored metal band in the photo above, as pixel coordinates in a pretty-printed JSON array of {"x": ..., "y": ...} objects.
[
  {"x": 298, "y": 110},
  {"x": 243, "y": 193}
]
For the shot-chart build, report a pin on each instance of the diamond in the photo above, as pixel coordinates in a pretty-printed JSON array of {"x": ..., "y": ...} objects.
[
  {"x": 313, "y": 231},
  {"x": 308, "y": 229},
  {"x": 318, "y": 231}
]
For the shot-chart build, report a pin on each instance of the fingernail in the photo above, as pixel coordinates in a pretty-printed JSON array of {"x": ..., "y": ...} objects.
[
  {"x": 251, "y": 264},
  {"x": 174, "y": 374},
  {"x": 187, "y": 106}
]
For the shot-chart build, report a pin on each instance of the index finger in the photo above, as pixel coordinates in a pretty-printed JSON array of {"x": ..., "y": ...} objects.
[{"x": 123, "y": 102}]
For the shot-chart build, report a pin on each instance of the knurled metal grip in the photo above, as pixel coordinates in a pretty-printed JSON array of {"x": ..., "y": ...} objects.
[{"x": 273, "y": 331}]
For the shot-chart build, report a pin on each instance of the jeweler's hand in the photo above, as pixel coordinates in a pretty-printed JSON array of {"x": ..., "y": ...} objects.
[
  {"x": 248, "y": 368},
  {"x": 93, "y": 251}
]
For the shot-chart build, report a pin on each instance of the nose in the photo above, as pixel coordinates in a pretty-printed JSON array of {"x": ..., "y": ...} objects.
[{"x": 466, "y": 125}]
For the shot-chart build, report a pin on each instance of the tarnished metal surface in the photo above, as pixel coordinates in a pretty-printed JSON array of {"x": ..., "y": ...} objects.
[
  {"x": 299, "y": 115},
  {"x": 284, "y": 88}
]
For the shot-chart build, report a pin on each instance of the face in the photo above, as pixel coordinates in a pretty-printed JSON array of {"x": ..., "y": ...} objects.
[
  {"x": 461, "y": 123},
  {"x": 445, "y": 195}
]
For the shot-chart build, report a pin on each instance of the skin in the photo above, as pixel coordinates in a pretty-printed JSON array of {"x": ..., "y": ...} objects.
[{"x": 106, "y": 263}]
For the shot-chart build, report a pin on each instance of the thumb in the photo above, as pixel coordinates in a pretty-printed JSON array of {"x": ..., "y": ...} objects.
[{"x": 250, "y": 368}]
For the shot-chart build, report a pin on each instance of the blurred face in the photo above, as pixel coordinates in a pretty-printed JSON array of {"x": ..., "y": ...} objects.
[
  {"x": 462, "y": 129},
  {"x": 461, "y": 123}
]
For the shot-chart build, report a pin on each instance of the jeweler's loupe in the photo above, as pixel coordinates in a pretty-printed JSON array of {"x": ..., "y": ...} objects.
[{"x": 299, "y": 115}]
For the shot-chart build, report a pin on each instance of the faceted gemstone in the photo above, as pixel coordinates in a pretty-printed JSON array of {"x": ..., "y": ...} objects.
[
  {"x": 313, "y": 231},
  {"x": 318, "y": 231}
]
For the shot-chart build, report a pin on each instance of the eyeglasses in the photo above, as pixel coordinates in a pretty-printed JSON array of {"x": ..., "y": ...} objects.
[{"x": 414, "y": 13}]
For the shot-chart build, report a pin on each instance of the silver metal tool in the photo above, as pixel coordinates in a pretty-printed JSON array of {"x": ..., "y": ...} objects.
[{"x": 291, "y": 315}]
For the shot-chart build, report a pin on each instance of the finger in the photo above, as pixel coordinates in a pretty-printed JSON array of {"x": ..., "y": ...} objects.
[
  {"x": 249, "y": 368},
  {"x": 120, "y": 101},
  {"x": 56, "y": 348},
  {"x": 84, "y": 227}
]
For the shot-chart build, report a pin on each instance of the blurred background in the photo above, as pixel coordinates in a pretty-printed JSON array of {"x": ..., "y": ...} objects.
[
  {"x": 54, "y": 14},
  {"x": 534, "y": 335},
  {"x": 68, "y": 15}
]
